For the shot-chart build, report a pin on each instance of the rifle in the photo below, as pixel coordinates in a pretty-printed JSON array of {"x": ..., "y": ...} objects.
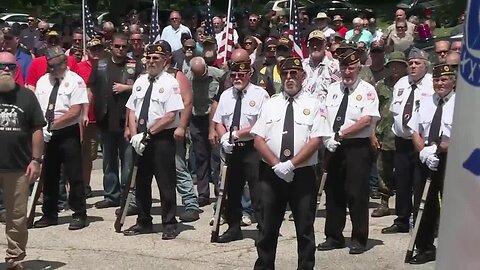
[
  {"x": 37, "y": 187},
  {"x": 220, "y": 197},
  {"x": 127, "y": 193}
]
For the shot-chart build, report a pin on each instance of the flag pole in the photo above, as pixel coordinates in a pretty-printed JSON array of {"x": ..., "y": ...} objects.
[
  {"x": 227, "y": 31},
  {"x": 84, "y": 30}
]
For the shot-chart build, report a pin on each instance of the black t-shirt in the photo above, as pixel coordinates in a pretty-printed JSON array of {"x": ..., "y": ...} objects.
[
  {"x": 20, "y": 114},
  {"x": 117, "y": 72}
]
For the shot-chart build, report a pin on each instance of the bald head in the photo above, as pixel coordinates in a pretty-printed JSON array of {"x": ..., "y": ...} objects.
[
  {"x": 7, "y": 58},
  {"x": 453, "y": 58},
  {"x": 198, "y": 66},
  {"x": 240, "y": 55},
  {"x": 400, "y": 15}
]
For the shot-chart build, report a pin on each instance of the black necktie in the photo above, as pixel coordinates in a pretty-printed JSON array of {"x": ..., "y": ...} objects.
[
  {"x": 407, "y": 111},
  {"x": 286, "y": 151},
  {"x": 236, "y": 112},
  {"x": 434, "y": 133},
  {"x": 342, "y": 110},
  {"x": 143, "y": 118},
  {"x": 50, "y": 113}
]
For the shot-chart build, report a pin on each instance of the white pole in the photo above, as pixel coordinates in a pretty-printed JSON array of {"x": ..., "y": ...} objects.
[
  {"x": 84, "y": 31},
  {"x": 227, "y": 32}
]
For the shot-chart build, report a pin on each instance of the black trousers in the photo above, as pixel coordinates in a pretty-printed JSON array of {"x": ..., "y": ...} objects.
[
  {"x": 207, "y": 168},
  {"x": 243, "y": 165},
  {"x": 64, "y": 148},
  {"x": 431, "y": 213},
  {"x": 157, "y": 160},
  {"x": 348, "y": 185},
  {"x": 404, "y": 162},
  {"x": 301, "y": 194}
]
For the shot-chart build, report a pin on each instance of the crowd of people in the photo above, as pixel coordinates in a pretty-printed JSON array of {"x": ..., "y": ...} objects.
[{"x": 365, "y": 106}]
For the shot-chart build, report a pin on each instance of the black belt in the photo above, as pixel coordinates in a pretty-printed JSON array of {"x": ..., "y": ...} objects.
[
  {"x": 165, "y": 134},
  {"x": 73, "y": 129},
  {"x": 355, "y": 142},
  {"x": 244, "y": 144}
]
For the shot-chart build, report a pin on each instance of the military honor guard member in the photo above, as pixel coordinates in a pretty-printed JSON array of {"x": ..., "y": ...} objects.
[
  {"x": 432, "y": 127},
  {"x": 153, "y": 116},
  {"x": 61, "y": 94},
  {"x": 287, "y": 136},
  {"x": 407, "y": 93},
  {"x": 237, "y": 112},
  {"x": 352, "y": 111}
]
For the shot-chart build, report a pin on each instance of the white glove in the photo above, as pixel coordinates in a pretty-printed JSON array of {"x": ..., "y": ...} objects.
[
  {"x": 331, "y": 144},
  {"x": 427, "y": 151},
  {"x": 226, "y": 145},
  {"x": 432, "y": 162},
  {"x": 47, "y": 135},
  {"x": 284, "y": 170},
  {"x": 137, "y": 143}
]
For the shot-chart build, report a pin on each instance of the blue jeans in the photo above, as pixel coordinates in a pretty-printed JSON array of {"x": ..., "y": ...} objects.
[
  {"x": 184, "y": 179},
  {"x": 246, "y": 202},
  {"x": 114, "y": 147}
]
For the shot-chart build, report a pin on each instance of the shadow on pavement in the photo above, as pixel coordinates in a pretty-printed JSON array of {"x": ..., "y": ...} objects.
[
  {"x": 67, "y": 219},
  {"x": 370, "y": 244},
  {"x": 251, "y": 234},
  {"x": 158, "y": 228},
  {"x": 38, "y": 265}
]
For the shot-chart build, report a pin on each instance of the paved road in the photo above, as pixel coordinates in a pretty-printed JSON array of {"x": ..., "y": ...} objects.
[{"x": 99, "y": 247}]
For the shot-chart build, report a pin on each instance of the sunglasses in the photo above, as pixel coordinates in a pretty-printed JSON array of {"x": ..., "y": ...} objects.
[
  {"x": 253, "y": 20},
  {"x": 174, "y": 19},
  {"x": 239, "y": 75},
  {"x": 10, "y": 66},
  {"x": 441, "y": 52},
  {"x": 248, "y": 43},
  {"x": 400, "y": 27},
  {"x": 191, "y": 48},
  {"x": 154, "y": 58},
  {"x": 119, "y": 46},
  {"x": 292, "y": 73},
  {"x": 31, "y": 20}
]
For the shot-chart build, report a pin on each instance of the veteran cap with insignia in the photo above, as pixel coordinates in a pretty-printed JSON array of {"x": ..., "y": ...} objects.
[
  {"x": 94, "y": 42},
  {"x": 161, "y": 47},
  {"x": 284, "y": 42},
  {"x": 291, "y": 63},
  {"x": 316, "y": 34},
  {"x": 349, "y": 57},
  {"x": 344, "y": 47},
  {"x": 53, "y": 52},
  {"x": 240, "y": 66},
  {"x": 416, "y": 53},
  {"x": 443, "y": 70}
]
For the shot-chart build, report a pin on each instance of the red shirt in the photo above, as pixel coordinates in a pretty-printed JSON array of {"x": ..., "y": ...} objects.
[
  {"x": 18, "y": 76},
  {"x": 84, "y": 70},
  {"x": 38, "y": 68},
  {"x": 342, "y": 30}
]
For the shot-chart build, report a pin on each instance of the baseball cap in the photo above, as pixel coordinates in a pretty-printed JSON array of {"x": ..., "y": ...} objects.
[
  {"x": 94, "y": 42},
  {"x": 284, "y": 42},
  {"x": 337, "y": 18},
  {"x": 316, "y": 34},
  {"x": 53, "y": 52}
]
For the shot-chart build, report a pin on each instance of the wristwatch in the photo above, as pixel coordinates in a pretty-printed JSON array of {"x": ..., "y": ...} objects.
[{"x": 39, "y": 160}]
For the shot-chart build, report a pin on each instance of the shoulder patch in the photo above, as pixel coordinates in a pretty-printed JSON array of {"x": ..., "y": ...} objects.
[{"x": 370, "y": 96}]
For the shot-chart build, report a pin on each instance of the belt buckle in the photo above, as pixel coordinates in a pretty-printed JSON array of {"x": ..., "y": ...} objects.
[{"x": 241, "y": 144}]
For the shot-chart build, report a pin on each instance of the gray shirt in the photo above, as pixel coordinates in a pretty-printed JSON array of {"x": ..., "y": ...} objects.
[{"x": 204, "y": 89}]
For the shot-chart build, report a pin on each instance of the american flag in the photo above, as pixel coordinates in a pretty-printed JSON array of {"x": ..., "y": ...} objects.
[
  {"x": 295, "y": 33},
  {"x": 89, "y": 26},
  {"x": 209, "y": 22},
  {"x": 154, "y": 27},
  {"x": 226, "y": 47}
]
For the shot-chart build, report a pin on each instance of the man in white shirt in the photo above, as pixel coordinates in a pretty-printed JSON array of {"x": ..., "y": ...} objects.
[{"x": 172, "y": 33}]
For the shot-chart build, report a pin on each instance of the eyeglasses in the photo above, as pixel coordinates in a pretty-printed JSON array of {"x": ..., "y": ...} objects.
[
  {"x": 191, "y": 48},
  {"x": 119, "y": 46},
  {"x": 292, "y": 73},
  {"x": 239, "y": 75},
  {"x": 248, "y": 43},
  {"x": 10, "y": 66},
  {"x": 253, "y": 20},
  {"x": 400, "y": 27},
  {"x": 154, "y": 58},
  {"x": 31, "y": 20},
  {"x": 174, "y": 19}
]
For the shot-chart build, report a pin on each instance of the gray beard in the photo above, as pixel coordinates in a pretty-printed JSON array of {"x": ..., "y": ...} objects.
[{"x": 7, "y": 83}]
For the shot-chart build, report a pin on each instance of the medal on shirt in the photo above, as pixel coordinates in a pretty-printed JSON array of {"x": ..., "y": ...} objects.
[
  {"x": 161, "y": 90},
  {"x": 138, "y": 88},
  {"x": 252, "y": 103},
  {"x": 359, "y": 97},
  {"x": 66, "y": 84},
  {"x": 306, "y": 111}
]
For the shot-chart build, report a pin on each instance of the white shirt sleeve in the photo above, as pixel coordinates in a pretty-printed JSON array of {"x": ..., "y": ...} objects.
[
  {"x": 174, "y": 103},
  {"x": 79, "y": 92},
  {"x": 320, "y": 123},
  {"x": 259, "y": 128},
  {"x": 217, "y": 118},
  {"x": 371, "y": 105}
]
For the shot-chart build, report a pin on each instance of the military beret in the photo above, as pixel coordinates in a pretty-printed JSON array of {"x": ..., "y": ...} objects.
[
  {"x": 240, "y": 66},
  {"x": 442, "y": 70},
  {"x": 416, "y": 53},
  {"x": 53, "y": 52},
  {"x": 349, "y": 57},
  {"x": 291, "y": 63},
  {"x": 160, "y": 47}
]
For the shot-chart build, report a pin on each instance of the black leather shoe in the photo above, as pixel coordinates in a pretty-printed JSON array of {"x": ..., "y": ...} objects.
[
  {"x": 230, "y": 236},
  {"x": 105, "y": 204},
  {"x": 203, "y": 202},
  {"x": 138, "y": 229},
  {"x": 381, "y": 211},
  {"x": 357, "y": 248},
  {"x": 423, "y": 257},
  {"x": 189, "y": 216},
  {"x": 77, "y": 223},
  {"x": 45, "y": 222},
  {"x": 394, "y": 229},
  {"x": 168, "y": 233},
  {"x": 375, "y": 195},
  {"x": 330, "y": 244},
  {"x": 131, "y": 211}
]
